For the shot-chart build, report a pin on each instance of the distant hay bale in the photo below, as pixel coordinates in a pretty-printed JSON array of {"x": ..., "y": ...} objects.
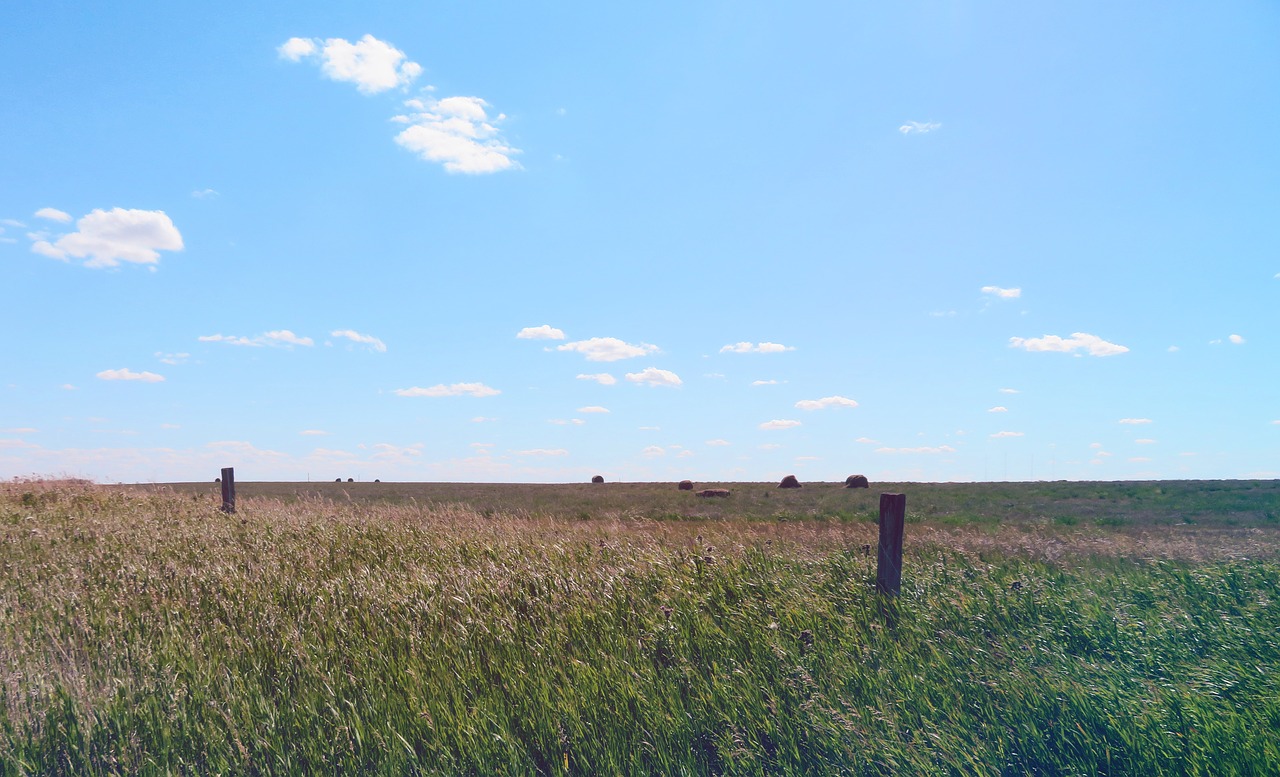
[
  {"x": 598, "y": 479},
  {"x": 217, "y": 480},
  {"x": 337, "y": 480},
  {"x": 856, "y": 481},
  {"x": 710, "y": 492},
  {"x": 685, "y": 485},
  {"x": 375, "y": 480},
  {"x": 351, "y": 480},
  {"x": 789, "y": 482}
]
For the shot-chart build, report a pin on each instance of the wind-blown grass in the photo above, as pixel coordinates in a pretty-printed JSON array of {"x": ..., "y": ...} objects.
[{"x": 149, "y": 633}]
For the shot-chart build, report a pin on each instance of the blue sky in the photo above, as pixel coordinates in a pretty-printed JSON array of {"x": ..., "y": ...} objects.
[{"x": 718, "y": 241}]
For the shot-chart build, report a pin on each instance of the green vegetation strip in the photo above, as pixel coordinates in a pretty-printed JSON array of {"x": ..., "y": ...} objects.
[{"x": 148, "y": 633}]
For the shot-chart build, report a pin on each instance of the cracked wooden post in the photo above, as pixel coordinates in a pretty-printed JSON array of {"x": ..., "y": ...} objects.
[
  {"x": 893, "y": 515},
  {"x": 228, "y": 489}
]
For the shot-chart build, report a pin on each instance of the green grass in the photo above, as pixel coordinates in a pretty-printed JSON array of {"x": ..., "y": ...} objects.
[{"x": 146, "y": 632}]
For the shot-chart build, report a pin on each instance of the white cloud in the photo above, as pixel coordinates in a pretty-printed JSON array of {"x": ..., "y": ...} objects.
[
  {"x": 1174, "y": 349},
  {"x": 1236, "y": 339},
  {"x": 603, "y": 378},
  {"x": 825, "y": 402},
  {"x": 544, "y": 332},
  {"x": 593, "y": 409},
  {"x": 1139, "y": 459},
  {"x": 20, "y": 225},
  {"x": 371, "y": 64},
  {"x": 285, "y": 337},
  {"x": 652, "y": 376},
  {"x": 172, "y": 358},
  {"x": 457, "y": 133},
  {"x": 925, "y": 449},
  {"x": 653, "y": 451},
  {"x": 867, "y": 441},
  {"x": 452, "y": 390},
  {"x": 231, "y": 340},
  {"x": 721, "y": 443},
  {"x": 756, "y": 348},
  {"x": 1135, "y": 421},
  {"x": 919, "y": 127},
  {"x": 201, "y": 194},
  {"x": 53, "y": 214},
  {"x": 128, "y": 374},
  {"x": 1091, "y": 344},
  {"x": 765, "y": 382},
  {"x": 295, "y": 49},
  {"x": 279, "y": 337},
  {"x": 608, "y": 349},
  {"x": 998, "y": 409},
  {"x": 543, "y": 452},
  {"x": 779, "y": 424},
  {"x": 313, "y": 433},
  {"x": 564, "y": 422},
  {"x": 356, "y": 337},
  {"x": 1000, "y": 435},
  {"x": 996, "y": 291},
  {"x": 107, "y": 238},
  {"x": 1009, "y": 391}
]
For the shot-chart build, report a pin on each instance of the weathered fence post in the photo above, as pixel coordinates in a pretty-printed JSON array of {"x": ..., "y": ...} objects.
[
  {"x": 228, "y": 489},
  {"x": 893, "y": 516}
]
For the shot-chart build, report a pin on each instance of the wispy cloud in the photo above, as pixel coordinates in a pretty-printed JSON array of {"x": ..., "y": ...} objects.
[
  {"x": 653, "y": 452},
  {"x": 452, "y": 390},
  {"x": 919, "y": 127},
  {"x": 128, "y": 374},
  {"x": 1135, "y": 421},
  {"x": 107, "y": 238},
  {"x": 1079, "y": 341},
  {"x": 544, "y": 332},
  {"x": 1235, "y": 339},
  {"x": 543, "y": 452},
  {"x": 608, "y": 349},
  {"x": 356, "y": 337},
  {"x": 458, "y": 133},
  {"x": 1009, "y": 391},
  {"x": 278, "y": 337},
  {"x": 652, "y": 376},
  {"x": 777, "y": 424},
  {"x": 722, "y": 443},
  {"x": 371, "y": 64},
  {"x": 313, "y": 433},
  {"x": 1002, "y": 435},
  {"x": 201, "y": 194},
  {"x": 593, "y": 409},
  {"x": 756, "y": 348},
  {"x": 996, "y": 291},
  {"x": 766, "y": 382},
  {"x": 172, "y": 358},
  {"x": 923, "y": 449},
  {"x": 53, "y": 214},
  {"x": 603, "y": 378},
  {"x": 825, "y": 402},
  {"x": 998, "y": 409}
]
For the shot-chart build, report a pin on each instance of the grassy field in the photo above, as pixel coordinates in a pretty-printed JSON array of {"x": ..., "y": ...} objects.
[{"x": 360, "y": 628}]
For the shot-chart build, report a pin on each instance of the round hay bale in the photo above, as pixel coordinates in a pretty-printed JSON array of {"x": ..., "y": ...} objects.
[
  {"x": 217, "y": 480},
  {"x": 598, "y": 479},
  {"x": 375, "y": 480},
  {"x": 789, "y": 482},
  {"x": 856, "y": 481},
  {"x": 685, "y": 485},
  {"x": 351, "y": 480},
  {"x": 337, "y": 480}
]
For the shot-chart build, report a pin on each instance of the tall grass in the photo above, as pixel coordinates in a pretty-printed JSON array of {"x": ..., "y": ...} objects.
[{"x": 149, "y": 633}]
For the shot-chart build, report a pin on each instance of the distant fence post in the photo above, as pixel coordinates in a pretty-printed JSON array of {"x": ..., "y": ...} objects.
[
  {"x": 228, "y": 489},
  {"x": 893, "y": 516}
]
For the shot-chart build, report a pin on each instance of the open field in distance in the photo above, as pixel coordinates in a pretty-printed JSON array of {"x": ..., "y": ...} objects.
[{"x": 361, "y": 628}]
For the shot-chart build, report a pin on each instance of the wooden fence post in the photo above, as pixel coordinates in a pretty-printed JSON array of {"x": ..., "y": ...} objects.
[
  {"x": 228, "y": 489},
  {"x": 893, "y": 515}
]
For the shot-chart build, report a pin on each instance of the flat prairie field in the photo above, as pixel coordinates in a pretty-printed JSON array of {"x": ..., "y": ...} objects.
[{"x": 631, "y": 628}]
